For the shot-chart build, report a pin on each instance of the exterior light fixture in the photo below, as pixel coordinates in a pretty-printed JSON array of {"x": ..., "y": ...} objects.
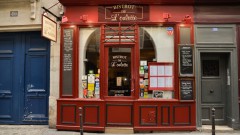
[
  {"x": 64, "y": 19},
  {"x": 187, "y": 19},
  {"x": 84, "y": 18},
  {"x": 166, "y": 16}
]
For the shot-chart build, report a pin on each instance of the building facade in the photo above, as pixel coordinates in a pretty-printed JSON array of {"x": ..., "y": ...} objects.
[
  {"x": 25, "y": 55},
  {"x": 148, "y": 65},
  {"x": 144, "y": 65}
]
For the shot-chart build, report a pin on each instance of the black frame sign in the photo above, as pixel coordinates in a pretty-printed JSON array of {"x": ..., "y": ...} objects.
[
  {"x": 186, "y": 89},
  {"x": 186, "y": 60},
  {"x": 67, "y": 66}
]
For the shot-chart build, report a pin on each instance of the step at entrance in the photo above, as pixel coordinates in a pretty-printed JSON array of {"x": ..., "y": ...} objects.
[
  {"x": 218, "y": 128},
  {"x": 119, "y": 130}
]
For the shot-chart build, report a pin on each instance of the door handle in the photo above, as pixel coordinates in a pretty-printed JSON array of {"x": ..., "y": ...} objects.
[{"x": 211, "y": 91}]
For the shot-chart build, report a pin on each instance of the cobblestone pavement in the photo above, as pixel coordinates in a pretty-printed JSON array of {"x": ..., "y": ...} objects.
[{"x": 44, "y": 130}]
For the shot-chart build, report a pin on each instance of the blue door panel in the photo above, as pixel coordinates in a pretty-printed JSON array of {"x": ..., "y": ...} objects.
[
  {"x": 35, "y": 43},
  {"x": 6, "y": 72},
  {"x": 9, "y": 78},
  {"x": 24, "y": 78},
  {"x": 36, "y": 79},
  {"x": 36, "y": 93},
  {"x": 36, "y": 109},
  {"x": 6, "y": 44}
]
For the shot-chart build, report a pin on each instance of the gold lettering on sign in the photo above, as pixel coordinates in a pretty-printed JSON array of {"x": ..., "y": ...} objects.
[
  {"x": 125, "y": 12},
  {"x": 124, "y": 6}
]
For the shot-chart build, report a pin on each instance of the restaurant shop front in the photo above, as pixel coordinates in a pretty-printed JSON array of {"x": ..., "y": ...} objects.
[{"x": 127, "y": 65}]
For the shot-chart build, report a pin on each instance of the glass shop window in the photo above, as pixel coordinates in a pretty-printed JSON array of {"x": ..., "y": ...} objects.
[
  {"x": 89, "y": 68},
  {"x": 156, "y": 63}
]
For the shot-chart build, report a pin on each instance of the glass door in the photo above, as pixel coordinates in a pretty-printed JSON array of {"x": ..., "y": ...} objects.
[{"x": 119, "y": 72}]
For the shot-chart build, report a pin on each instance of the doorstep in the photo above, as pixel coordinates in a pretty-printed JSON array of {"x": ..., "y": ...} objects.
[
  {"x": 218, "y": 128},
  {"x": 119, "y": 130}
]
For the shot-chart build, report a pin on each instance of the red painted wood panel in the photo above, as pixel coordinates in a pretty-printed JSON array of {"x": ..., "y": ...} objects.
[
  {"x": 148, "y": 115},
  {"x": 73, "y": 13},
  {"x": 177, "y": 13},
  {"x": 91, "y": 115},
  {"x": 171, "y": 115},
  {"x": 165, "y": 115},
  {"x": 118, "y": 114},
  {"x": 68, "y": 114},
  {"x": 182, "y": 115}
]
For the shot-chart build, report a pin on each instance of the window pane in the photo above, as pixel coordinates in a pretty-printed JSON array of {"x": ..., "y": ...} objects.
[
  {"x": 119, "y": 72},
  {"x": 210, "y": 68}
]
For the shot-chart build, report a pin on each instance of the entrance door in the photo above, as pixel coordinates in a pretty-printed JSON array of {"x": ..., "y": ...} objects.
[
  {"x": 119, "y": 72},
  {"x": 24, "y": 79},
  {"x": 214, "y": 86}
]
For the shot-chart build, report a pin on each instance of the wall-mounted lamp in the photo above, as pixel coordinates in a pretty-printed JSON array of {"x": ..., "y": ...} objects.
[
  {"x": 64, "y": 19},
  {"x": 84, "y": 18},
  {"x": 166, "y": 16},
  {"x": 187, "y": 19}
]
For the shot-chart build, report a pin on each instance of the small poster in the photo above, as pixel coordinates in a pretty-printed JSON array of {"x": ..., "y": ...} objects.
[
  {"x": 169, "y": 81},
  {"x": 91, "y": 78},
  {"x": 161, "y": 71},
  {"x": 161, "y": 82},
  {"x": 119, "y": 81},
  {"x": 153, "y": 70},
  {"x": 96, "y": 90},
  {"x": 153, "y": 82},
  {"x": 141, "y": 72},
  {"x": 157, "y": 94},
  {"x": 143, "y": 63},
  {"x": 145, "y": 82},
  {"x": 168, "y": 70},
  {"x": 91, "y": 86}
]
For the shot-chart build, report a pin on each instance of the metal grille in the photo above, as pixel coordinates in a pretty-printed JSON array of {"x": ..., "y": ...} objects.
[{"x": 120, "y": 34}]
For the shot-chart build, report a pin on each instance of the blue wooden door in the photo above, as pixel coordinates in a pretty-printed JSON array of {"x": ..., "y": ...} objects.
[
  {"x": 10, "y": 78},
  {"x": 24, "y": 85}
]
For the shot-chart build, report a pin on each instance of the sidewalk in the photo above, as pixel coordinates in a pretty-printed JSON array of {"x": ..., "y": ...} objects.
[{"x": 44, "y": 130}]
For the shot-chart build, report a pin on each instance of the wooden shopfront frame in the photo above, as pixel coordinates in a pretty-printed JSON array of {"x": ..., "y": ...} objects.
[
  {"x": 105, "y": 111},
  {"x": 109, "y": 111}
]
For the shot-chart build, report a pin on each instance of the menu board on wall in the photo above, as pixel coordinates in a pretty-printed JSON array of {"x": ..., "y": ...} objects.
[
  {"x": 186, "y": 60},
  {"x": 161, "y": 76},
  {"x": 67, "y": 65},
  {"x": 186, "y": 89}
]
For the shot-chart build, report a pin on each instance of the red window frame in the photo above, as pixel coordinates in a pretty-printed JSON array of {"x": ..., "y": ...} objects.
[{"x": 162, "y": 73}]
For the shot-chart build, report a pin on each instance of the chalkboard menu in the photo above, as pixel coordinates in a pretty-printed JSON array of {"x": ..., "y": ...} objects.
[
  {"x": 186, "y": 60},
  {"x": 67, "y": 65},
  {"x": 186, "y": 89}
]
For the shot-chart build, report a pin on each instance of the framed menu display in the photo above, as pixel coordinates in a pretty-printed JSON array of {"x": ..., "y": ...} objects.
[
  {"x": 186, "y": 62},
  {"x": 67, "y": 65},
  {"x": 186, "y": 89},
  {"x": 160, "y": 76}
]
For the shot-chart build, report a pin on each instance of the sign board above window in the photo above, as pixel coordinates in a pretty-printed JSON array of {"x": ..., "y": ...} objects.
[
  {"x": 49, "y": 28},
  {"x": 123, "y": 13}
]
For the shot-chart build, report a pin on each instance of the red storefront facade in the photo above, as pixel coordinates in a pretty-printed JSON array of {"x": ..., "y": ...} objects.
[{"x": 140, "y": 74}]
